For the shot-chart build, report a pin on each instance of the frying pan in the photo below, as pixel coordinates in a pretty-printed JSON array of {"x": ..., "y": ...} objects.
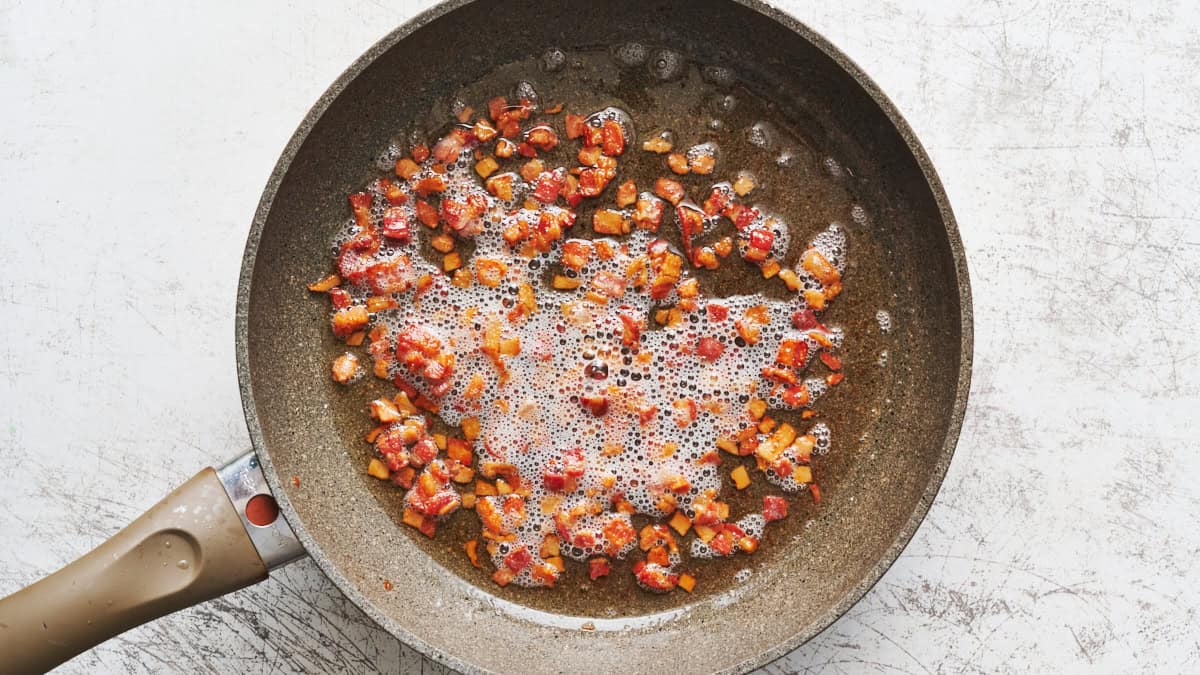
[{"x": 221, "y": 531}]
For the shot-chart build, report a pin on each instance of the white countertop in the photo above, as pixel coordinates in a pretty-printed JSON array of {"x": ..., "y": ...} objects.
[{"x": 134, "y": 143}]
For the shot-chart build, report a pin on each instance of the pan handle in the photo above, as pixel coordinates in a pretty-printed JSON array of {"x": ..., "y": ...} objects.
[{"x": 194, "y": 545}]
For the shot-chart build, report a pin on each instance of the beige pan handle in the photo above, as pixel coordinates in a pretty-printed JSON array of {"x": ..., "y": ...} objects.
[{"x": 194, "y": 545}]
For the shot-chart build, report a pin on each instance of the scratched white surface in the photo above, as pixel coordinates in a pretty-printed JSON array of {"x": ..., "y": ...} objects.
[{"x": 134, "y": 141}]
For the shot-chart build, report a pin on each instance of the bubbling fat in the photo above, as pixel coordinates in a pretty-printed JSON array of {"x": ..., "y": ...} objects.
[{"x": 571, "y": 348}]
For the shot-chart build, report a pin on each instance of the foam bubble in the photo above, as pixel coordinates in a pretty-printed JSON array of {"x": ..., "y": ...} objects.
[
  {"x": 553, "y": 60},
  {"x": 630, "y": 54},
  {"x": 884, "y": 319},
  {"x": 664, "y": 407},
  {"x": 667, "y": 65}
]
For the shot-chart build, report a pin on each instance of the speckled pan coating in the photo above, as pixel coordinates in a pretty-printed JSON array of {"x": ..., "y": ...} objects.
[{"x": 297, "y": 420}]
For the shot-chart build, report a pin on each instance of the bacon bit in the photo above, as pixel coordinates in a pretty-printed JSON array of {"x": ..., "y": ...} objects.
[
  {"x": 526, "y": 301},
  {"x": 612, "y": 138},
  {"x": 709, "y": 349},
  {"x": 741, "y": 215},
  {"x": 797, "y": 396},
  {"x": 326, "y": 284},
  {"x": 350, "y": 320},
  {"x": 607, "y": 221},
  {"x": 770, "y": 268},
  {"x": 803, "y": 474},
  {"x": 518, "y": 559},
  {"x": 757, "y": 408},
  {"x": 526, "y": 150},
  {"x": 593, "y": 181},
  {"x": 448, "y": 148},
  {"x": 774, "y": 508},
  {"x": 575, "y": 253},
  {"x": 685, "y": 411},
  {"x": 442, "y": 243},
  {"x": 598, "y": 567},
  {"x": 608, "y": 284},
  {"x": 706, "y": 258},
  {"x": 814, "y": 298},
  {"x": 820, "y": 338},
  {"x": 790, "y": 278},
  {"x": 816, "y": 492},
  {"x": 687, "y": 582},
  {"x": 374, "y": 433},
  {"x": 659, "y": 145},
  {"x": 392, "y": 193},
  {"x": 360, "y": 204},
  {"x": 832, "y": 362},
  {"x": 691, "y": 223},
  {"x": 414, "y": 518},
  {"x": 759, "y": 314},
  {"x": 427, "y": 214},
  {"x": 574, "y": 125},
  {"x": 703, "y": 163},
  {"x": 387, "y": 585},
  {"x": 548, "y": 185},
  {"x": 626, "y": 193},
  {"x": 718, "y": 200},
  {"x": 743, "y": 184},
  {"x": 759, "y": 245},
  {"x": 680, "y": 523},
  {"x": 451, "y": 261},
  {"x": 792, "y": 353},
  {"x": 486, "y": 166},
  {"x": 505, "y": 149},
  {"x": 805, "y": 319},
  {"x": 834, "y": 379},
  {"x": 589, "y": 156},
  {"x": 490, "y": 272},
  {"x": 472, "y": 549},
  {"x": 420, "y": 153},
  {"x": 818, "y": 266},
  {"x": 565, "y": 283},
  {"x": 542, "y": 137},
  {"x": 747, "y": 331},
  {"x": 647, "y": 213},
  {"x": 654, "y": 535},
  {"x": 503, "y": 576},
  {"x": 383, "y": 411},
  {"x": 378, "y": 469},
  {"x": 658, "y": 556},
  {"x": 483, "y": 131},
  {"x": 677, "y": 163},
  {"x": 532, "y": 169},
  {"x": 654, "y": 578},
  {"x": 406, "y": 168},
  {"x": 497, "y": 107},
  {"x": 741, "y": 479},
  {"x": 395, "y": 224},
  {"x": 430, "y": 185},
  {"x": 670, "y": 190}
]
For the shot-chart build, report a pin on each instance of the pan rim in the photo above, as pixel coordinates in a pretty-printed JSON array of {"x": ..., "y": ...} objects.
[{"x": 936, "y": 475}]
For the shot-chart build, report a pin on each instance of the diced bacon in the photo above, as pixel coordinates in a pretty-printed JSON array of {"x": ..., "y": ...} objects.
[{"x": 774, "y": 508}]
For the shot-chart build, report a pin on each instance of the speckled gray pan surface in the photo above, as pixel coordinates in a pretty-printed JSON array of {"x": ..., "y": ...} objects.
[{"x": 896, "y": 427}]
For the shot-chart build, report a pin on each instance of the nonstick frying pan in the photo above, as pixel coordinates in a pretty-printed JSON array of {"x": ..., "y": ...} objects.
[{"x": 221, "y": 531}]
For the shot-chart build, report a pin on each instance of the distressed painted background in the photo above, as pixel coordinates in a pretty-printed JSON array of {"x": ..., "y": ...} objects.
[{"x": 134, "y": 141}]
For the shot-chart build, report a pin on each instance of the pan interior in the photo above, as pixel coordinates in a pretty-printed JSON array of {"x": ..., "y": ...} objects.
[{"x": 894, "y": 425}]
